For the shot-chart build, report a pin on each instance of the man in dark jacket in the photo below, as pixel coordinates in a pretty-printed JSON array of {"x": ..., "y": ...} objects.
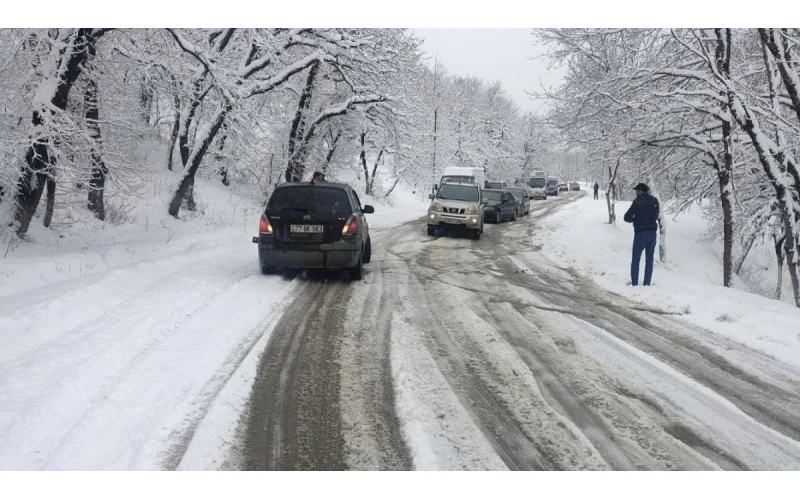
[
  {"x": 644, "y": 216},
  {"x": 596, "y": 187}
]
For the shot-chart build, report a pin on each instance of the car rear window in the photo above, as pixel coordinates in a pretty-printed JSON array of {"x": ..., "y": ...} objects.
[
  {"x": 493, "y": 195},
  {"x": 310, "y": 199}
]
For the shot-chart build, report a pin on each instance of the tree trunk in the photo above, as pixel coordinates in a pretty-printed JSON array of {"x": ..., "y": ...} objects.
[
  {"x": 146, "y": 98},
  {"x": 223, "y": 171},
  {"x": 662, "y": 225},
  {"x": 612, "y": 178},
  {"x": 51, "y": 201},
  {"x": 195, "y": 159},
  {"x": 331, "y": 151},
  {"x": 727, "y": 228},
  {"x": 296, "y": 165},
  {"x": 190, "y": 203},
  {"x": 34, "y": 175},
  {"x": 363, "y": 157},
  {"x": 176, "y": 123},
  {"x": 375, "y": 171},
  {"x": 779, "y": 256},
  {"x": 97, "y": 181}
]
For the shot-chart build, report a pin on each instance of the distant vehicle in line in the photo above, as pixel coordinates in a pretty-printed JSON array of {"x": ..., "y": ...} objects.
[
  {"x": 574, "y": 186},
  {"x": 500, "y": 205},
  {"x": 523, "y": 199},
  {"x": 537, "y": 185},
  {"x": 456, "y": 206},
  {"x": 552, "y": 186},
  {"x": 562, "y": 185},
  {"x": 495, "y": 185}
]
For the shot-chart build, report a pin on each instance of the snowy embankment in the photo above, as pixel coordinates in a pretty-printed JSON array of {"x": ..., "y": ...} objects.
[
  {"x": 688, "y": 284},
  {"x": 134, "y": 346}
]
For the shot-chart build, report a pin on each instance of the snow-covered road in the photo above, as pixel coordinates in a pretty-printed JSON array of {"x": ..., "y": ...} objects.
[
  {"x": 451, "y": 354},
  {"x": 457, "y": 354}
]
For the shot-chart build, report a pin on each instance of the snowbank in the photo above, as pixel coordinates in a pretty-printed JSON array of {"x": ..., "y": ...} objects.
[{"x": 689, "y": 283}]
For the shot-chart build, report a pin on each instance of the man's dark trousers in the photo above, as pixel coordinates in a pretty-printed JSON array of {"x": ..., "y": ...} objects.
[{"x": 643, "y": 241}]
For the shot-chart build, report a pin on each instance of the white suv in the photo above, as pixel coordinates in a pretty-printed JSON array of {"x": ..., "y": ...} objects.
[{"x": 456, "y": 205}]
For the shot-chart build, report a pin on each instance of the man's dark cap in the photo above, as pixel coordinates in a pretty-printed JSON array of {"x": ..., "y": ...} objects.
[
  {"x": 642, "y": 187},
  {"x": 316, "y": 174}
]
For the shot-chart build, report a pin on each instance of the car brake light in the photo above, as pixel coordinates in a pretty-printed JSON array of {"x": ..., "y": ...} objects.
[
  {"x": 351, "y": 226},
  {"x": 264, "y": 226}
]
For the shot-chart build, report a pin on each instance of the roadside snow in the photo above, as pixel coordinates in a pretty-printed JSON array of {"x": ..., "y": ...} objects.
[{"x": 688, "y": 284}]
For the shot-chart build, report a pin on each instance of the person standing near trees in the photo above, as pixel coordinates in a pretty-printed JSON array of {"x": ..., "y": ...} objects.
[
  {"x": 596, "y": 187},
  {"x": 643, "y": 213}
]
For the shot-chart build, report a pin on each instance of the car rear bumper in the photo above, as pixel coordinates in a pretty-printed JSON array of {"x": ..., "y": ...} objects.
[{"x": 339, "y": 255}]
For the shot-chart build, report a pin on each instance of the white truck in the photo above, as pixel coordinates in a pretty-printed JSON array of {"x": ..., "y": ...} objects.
[
  {"x": 537, "y": 185},
  {"x": 474, "y": 175}
]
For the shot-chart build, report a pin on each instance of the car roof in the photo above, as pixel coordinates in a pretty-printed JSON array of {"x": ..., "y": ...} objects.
[
  {"x": 461, "y": 183},
  {"x": 327, "y": 184}
]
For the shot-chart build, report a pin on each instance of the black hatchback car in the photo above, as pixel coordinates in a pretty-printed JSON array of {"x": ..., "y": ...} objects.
[{"x": 314, "y": 226}]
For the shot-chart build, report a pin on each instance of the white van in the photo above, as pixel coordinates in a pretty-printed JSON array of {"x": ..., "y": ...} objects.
[
  {"x": 537, "y": 185},
  {"x": 475, "y": 175}
]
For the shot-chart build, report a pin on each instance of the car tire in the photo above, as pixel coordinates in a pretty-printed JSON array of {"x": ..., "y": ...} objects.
[
  {"x": 476, "y": 234},
  {"x": 368, "y": 252},
  {"x": 356, "y": 273},
  {"x": 431, "y": 231}
]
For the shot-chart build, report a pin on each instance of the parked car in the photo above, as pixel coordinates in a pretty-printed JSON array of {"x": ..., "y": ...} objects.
[
  {"x": 523, "y": 199},
  {"x": 574, "y": 186},
  {"x": 562, "y": 186},
  {"x": 495, "y": 185},
  {"x": 552, "y": 186},
  {"x": 314, "y": 226},
  {"x": 500, "y": 205},
  {"x": 456, "y": 206}
]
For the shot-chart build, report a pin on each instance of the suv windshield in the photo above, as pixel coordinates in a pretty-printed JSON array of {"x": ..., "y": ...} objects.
[
  {"x": 552, "y": 182},
  {"x": 458, "y": 192},
  {"x": 310, "y": 199},
  {"x": 537, "y": 182},
  {"x": 493, "y": 195}
]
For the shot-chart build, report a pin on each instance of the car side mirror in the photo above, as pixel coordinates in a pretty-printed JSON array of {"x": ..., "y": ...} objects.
[
  {"x": 430, "y": 196},
  {"x": 369, "y": 209}
]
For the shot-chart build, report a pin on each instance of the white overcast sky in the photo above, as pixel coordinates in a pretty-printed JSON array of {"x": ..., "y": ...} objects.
[{"x": 504, "y": 54}]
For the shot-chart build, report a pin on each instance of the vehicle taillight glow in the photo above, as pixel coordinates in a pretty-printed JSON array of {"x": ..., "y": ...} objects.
[
  {"x": 264, "y": 226},
  {"x": 351, "y": 226}
]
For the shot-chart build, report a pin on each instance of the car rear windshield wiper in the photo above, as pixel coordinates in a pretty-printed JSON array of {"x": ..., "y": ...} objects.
[{"x": 294, "y": 209}]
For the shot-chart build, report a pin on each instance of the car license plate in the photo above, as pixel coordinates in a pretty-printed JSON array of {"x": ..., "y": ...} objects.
[
  {"x": 306, "y": 228},
  {"x": 452, "y": 221}
]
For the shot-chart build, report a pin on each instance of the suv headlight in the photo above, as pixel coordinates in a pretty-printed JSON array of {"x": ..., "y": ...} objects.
[
  {"x": 472, "y": 210},
  {"x": 435, "y": 207}
]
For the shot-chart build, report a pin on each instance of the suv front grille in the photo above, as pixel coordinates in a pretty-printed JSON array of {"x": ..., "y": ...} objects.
[{"x": 452, "y": 210}]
